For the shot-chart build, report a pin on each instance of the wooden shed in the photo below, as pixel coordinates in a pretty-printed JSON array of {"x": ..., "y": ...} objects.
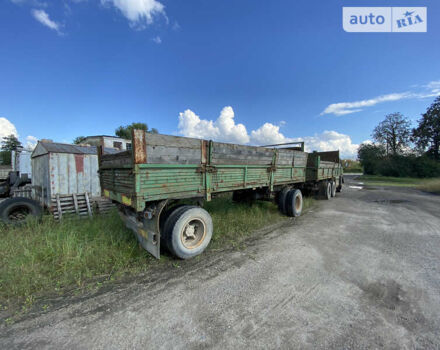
[{"x": 64, "y": 169}]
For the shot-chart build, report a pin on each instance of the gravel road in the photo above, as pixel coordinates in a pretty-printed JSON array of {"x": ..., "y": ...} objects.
[{"x": 359, "y": 271}]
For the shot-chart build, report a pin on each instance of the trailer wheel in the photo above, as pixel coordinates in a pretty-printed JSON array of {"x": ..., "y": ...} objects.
[
  {"x": 171, "y": 217},
  {"x": 328, "y": 190},
  {"x": 163, "y": 219},
  {"x": 333, "y": 194},
  {"x": 189, "y": 232},
  {"x": 18, "y": 209},
  {"x": 325, "y": 189},
  {"x": 282, "y": 199},
  {"x": 294, "y": 203}
]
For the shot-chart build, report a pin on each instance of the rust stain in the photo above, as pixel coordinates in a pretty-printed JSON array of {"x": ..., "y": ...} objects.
[
  {"x": 79, "y": 163},
  {"x": 139, "y": 146},
  {"x": 204, "y": 150}
]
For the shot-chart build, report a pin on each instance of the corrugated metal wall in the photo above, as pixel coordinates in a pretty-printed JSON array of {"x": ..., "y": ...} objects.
[
  {"x": 66, "y": 173},
  {"x": 40, "y": 178}
]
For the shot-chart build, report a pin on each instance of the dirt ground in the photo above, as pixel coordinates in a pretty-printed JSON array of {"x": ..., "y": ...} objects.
[{"x": 359, "y": 271}]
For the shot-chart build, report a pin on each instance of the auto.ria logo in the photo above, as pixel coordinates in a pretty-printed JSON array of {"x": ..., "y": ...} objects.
[{"x": 384, "y": 19}]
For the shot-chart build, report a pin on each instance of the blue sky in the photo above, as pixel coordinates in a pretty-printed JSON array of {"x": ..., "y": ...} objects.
[{"x": 233, "y": 70}]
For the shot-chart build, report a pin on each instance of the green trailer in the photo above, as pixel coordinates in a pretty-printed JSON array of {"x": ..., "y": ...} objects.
[{"x": 150, "y": 180}]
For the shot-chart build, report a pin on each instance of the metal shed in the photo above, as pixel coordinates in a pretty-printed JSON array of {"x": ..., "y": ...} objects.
[{"x": 64, "y": 169}]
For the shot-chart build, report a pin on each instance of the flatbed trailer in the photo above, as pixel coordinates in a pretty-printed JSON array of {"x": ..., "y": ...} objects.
[{"x": 150, "y": 180}]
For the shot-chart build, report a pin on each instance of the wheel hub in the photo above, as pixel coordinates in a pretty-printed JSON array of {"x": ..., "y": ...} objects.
[{"x": 193, "y": 234}]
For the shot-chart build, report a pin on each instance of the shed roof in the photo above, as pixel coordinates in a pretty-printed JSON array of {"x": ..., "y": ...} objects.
[{"x": 53, "y": 147}]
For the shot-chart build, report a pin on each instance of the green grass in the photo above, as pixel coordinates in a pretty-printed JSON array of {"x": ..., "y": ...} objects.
[
  {"x": 353, "y": 171},
  {"x": 429, "y": 185},
  {"x": 377, "y": 180},
  {"x": 51, "y": 257}
]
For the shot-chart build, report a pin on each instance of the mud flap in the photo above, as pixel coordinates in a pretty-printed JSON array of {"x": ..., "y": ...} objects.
[
  {"x": 148, "y": 231},
  {"x": 149, "y": 240}
]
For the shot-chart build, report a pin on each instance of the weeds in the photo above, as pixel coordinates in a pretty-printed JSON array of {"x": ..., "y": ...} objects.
[{"x": 47, "y": 257}]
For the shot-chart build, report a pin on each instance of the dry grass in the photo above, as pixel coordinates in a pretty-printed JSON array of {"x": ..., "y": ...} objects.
[{"x": 431, "y": 185}]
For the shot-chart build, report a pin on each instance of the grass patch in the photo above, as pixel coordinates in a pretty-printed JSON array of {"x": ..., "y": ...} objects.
[
  {"x": 377, "y": 180},
  {"x": 49, "y": 257},
  {"x": 430, "y": 185},
  {"x": 234, "y": 222},
  {"x": 353, "y": 171}
]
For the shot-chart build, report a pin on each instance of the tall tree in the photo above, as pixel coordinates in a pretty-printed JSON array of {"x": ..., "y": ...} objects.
[
  {"x": 369, "y": 155},
  {"x": 125, "y": 131},
  {"x": 10, "y": 143},
  {"x": 427, "y": 134},
  {"x": 79, "y": 139},
  {"x": 393, "y": 132}
]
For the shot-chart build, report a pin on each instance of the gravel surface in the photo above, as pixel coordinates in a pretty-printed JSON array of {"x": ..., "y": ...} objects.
[{"x": 359, "y": 271}]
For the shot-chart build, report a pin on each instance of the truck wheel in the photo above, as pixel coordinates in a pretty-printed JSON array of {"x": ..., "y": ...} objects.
[
  {"x": 189, "y": 232},
  {"x": 328, "y": 190},
  {"x": 171, "y": 217},
  {"x": 325, "y": 190},
  {"x": 18, "y": 209},
  {"x": 294, "y": 203},
  {"x": 333, "y": 188},
  {"x": 282, "y": 200}
]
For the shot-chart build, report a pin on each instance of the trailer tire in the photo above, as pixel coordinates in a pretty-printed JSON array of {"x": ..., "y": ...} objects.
[
  {"x": 189, "y": 232},
  {"x": 17, "y": 210},
  {"x": 282, "y": 200},
  {"x": 171, "y": 217},
  {"x": 328, "y": 190},
  {"x": 325, "y": 190},
  {"x": 294, "y": 203},
  {"x": 163, "y": 219},
  {"x": 333, "y": 194}
]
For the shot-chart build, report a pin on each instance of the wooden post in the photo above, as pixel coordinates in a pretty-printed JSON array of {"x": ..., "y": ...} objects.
[
  {"x": 60, "y": 213},
  {"x": 89, "y": 209},
  {"x": 75, "y": 203}
]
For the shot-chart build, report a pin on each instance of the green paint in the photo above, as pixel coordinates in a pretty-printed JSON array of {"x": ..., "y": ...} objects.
[{"x": 151, "y": 182}]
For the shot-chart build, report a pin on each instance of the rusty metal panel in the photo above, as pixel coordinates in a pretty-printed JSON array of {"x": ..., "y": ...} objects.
[{"x": 139, "y": 147}]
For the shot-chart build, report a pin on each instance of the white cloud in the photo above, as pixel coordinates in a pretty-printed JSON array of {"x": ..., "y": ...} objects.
[
  {"x": 225, "y": 129},
  {"x": 42, "y": 17},
  {"x": 331, "y": 141},
  {"x": 343, "y": 108},
  {"x": 431, "y": 89},
  {"x": 7, "y": 128},
  {"x": 138, "y": 12},
  {"x": 157, "y": 40},
  {"x": 31, "y": 142},
  {"x": 268, "y": 134}
]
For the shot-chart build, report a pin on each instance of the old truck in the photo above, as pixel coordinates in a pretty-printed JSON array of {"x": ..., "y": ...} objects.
[{"x": 150, "y": 182}]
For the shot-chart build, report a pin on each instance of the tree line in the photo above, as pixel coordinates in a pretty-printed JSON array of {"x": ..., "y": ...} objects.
[{"x": 399, "y": 150}]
